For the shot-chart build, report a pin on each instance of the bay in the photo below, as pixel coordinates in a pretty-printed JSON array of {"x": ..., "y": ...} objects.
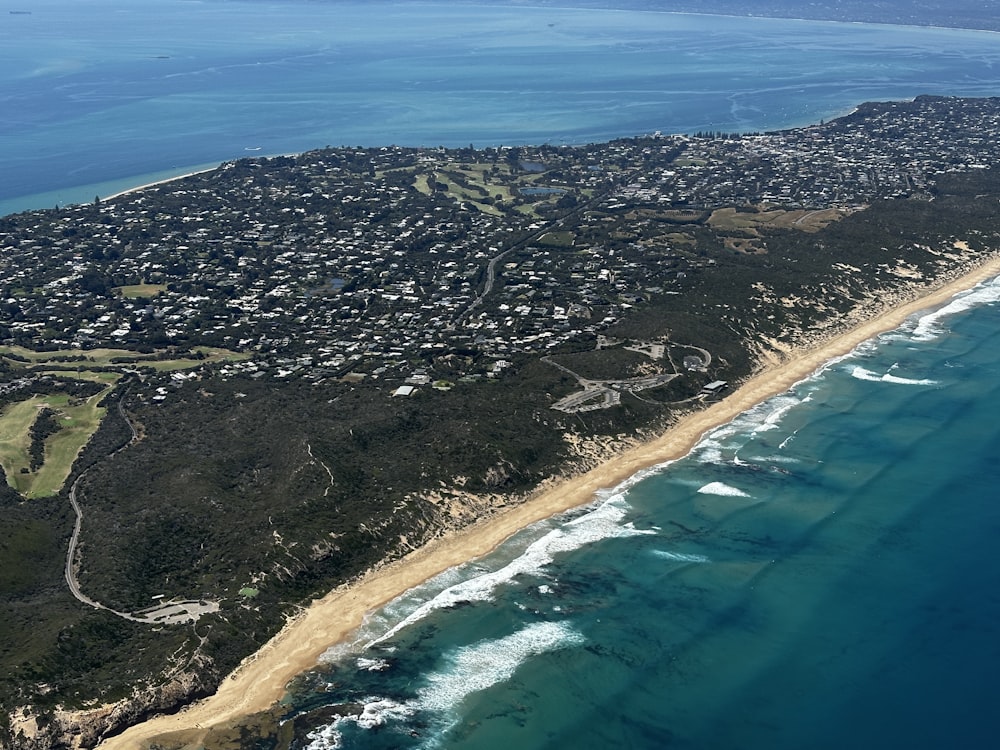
[
  {"x": 818, "y": 573},
  {"x": 103, "y": 95}
]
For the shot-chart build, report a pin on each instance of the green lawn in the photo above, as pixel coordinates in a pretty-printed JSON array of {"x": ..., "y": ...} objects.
[
  {"x": 135, "y": 291},
  {"x": 422, "y": 185},
  {"x": 557, "y": 239},
  {"x": 118, "y": 358},
  {"x": 79, "y": 421},
  {"x": 15, "y": 421}
]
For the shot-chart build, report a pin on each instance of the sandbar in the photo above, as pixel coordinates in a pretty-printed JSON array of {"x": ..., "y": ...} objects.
[{"x": 260, "y": 681}]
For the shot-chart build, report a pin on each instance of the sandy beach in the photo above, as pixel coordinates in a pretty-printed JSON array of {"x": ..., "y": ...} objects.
[
  {"x": 260, "y": 681},
  {"x": 138, "y": 188}
]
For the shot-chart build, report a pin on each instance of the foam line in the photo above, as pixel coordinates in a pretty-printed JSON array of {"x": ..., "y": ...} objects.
[
  {"x": 606, "y": 521},
  {"x": 721, "y": 488}
]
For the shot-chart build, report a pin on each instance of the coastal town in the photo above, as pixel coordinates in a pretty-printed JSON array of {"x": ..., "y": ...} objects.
[
  {"x": 372, "y": 263},
  {"x": 231, "y": 393}
]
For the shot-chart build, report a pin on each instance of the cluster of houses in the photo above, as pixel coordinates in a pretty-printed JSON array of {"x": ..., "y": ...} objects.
[
  {"x": 336, "y": 264},
  {"x": 883, "y": 150}
]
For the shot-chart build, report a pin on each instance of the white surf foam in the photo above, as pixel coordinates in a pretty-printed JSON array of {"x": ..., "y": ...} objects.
[
  {"x": 325, "y": 738},
  {"x": 862, "y": 373},
  {"x": 380, "y": 711},
  {"x": 468, "y": 670},
  {"x": 930, "y": 326},
  {"x": 721, "y": 488},
  {"x": 779, "y": 458},
  {"x": 890, "y": 378},
  {"x": 727, "y": 439},
  {"x": 606, "y": 521},
  {"x": 719, "y": 443},
  {"x": 784, "y": 443},
  {"x": 376, "y": 712},
  {"x": 482, "y": 665},
  {"x": 372, "y": 665},
  {"x": 680, "y": 556}
]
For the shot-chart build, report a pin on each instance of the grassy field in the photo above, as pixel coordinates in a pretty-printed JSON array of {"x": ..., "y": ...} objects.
[
  {"x": 808, "y": 221},
  {"x": 477, "y": 187},
  {"x": 79, "y": 420},
  {"x": 135, "y": 291},
  {"x": 117, "y": 358},
  {"x": 557, "y": 239},
  {"x": 15, "y": 422},
  {"x": 461, "y": 193},
  {"x": 422, "y": 185},
  {"x": 92, "y": 376}
]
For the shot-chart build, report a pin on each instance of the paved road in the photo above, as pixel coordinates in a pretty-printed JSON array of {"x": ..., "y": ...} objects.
[
  {"x": 549, "y": 226},
  {"x": 169, "y": 612}
]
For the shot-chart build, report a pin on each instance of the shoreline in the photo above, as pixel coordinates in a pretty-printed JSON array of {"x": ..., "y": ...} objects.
[
  {"x": 164, "y": 181},
  {"x": 260, "y": 681}
]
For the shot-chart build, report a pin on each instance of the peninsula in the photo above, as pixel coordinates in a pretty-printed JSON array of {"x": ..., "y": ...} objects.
[{"x": 353, "y": 367}]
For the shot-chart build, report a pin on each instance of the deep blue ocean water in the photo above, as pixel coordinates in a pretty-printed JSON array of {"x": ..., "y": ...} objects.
[
  {"x": 100, "y": 95},
  {"x": 820, "y": 573}
]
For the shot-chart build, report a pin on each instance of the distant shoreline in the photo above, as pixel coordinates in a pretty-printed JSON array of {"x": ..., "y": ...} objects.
[
  {"x": 165, "y": 180},
  {"x": 260, "y": 681}
]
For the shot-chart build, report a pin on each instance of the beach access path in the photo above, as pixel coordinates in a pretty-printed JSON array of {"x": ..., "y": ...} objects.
[{"x": 260, "y": 681}]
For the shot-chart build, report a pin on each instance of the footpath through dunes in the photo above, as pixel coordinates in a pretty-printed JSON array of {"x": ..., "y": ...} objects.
[{"x": 261, "y": 680}]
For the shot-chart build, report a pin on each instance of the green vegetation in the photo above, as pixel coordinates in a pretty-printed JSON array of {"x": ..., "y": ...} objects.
[
  {"x": 94, "y": 376},
  {"x": 136, "y": 291},
  {"x": 271, "y": 462},
  {"x": 41, "y": 437},
  {"x": 557, "y": 239},
  {"x": 81, "y": 361},
  {"x": 611, "y": 364},
  {"x": 754, "y": 218},
  {"x": 493, "y": 188},
  {"x": 15, "y": 439}
]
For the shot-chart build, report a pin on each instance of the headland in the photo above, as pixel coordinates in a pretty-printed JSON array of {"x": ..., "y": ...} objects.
[{"x": 350, "y": 369}]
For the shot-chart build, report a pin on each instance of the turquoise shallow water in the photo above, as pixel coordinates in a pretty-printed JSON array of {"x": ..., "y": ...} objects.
[
  {"x": 98, "y": 96},
  {"x": 820, "y": 573}
]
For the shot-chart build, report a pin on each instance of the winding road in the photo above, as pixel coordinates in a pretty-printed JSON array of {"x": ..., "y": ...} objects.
[{"x": 164, "y": 613}]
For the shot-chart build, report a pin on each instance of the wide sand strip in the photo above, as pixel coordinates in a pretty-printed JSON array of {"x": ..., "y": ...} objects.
[{"x": 261, "y": 680}]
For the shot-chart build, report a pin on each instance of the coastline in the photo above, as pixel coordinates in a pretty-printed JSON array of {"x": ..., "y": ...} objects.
[
  {"x": 137, "y": 188},
  {"x": 259, "y": 683}
]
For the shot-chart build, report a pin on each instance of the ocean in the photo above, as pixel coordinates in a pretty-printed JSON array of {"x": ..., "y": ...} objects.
[
  {"x": 97, "y": 96},
  {"x": 819, "y": 573}
]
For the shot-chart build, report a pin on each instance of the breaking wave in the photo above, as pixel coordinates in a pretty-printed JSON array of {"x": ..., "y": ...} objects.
[
  {"x": 861, "y": 373},
  {"x": 468, "y": 670},
  {"x": 376, "y": 712},
  {"x": 680, "y": 556},
  {"x": 725, "y": 440},
  {"x": 721, "y": 488},
  {"x": 482, "y": 665},
  {"x": 606, "y": 521},
  {"x": 930, "y": 326}
]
